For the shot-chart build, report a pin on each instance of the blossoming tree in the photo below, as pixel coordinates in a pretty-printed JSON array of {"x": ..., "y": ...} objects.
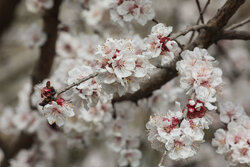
[{"x": 98, "y": 83}]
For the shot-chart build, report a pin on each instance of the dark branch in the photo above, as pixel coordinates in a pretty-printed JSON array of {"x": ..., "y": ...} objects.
[
  {"x": 200, "y": 11},
  {"x": 44, "y": 63},
  {"x": 7, "y": 13},
  {"x": 216, "y": 24},
  {"x": 234, "y": 35},
  {"x": 187, "y": 30}
]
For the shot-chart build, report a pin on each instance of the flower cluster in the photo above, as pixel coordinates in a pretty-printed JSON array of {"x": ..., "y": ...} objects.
[
  {"x": 36, "y": 6},
  {"x": 159, "y": 45},
  {"x": 96, "y": 12},
  {"x": 177, "y": 134},
  {"x": 198, "y": 74},
  {"x": 234, "y": 142},
  {"x": 126, "y": 144},
  {"x": 56, "y": 110},
  {"x": 128, "y": 10},
  {"x": 181, "y": 131},
  {"x": 121, "y": 66}
]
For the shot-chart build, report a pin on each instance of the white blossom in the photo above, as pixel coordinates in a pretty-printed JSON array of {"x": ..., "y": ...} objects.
[
  {"x": 33, "y": 37},
  {"x": 57, "y": 112},
  {"x": 130, "y": 157}
]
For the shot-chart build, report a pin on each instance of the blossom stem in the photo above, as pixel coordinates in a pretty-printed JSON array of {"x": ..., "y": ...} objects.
[
  {"x": 155, "y": 21},
  {"x": 77, "y": 83},
  {"x": 162, "y": 158}
]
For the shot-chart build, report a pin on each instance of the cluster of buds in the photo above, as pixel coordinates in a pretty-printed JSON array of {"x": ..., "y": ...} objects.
[
  {"x": 48, "y": 94},
  {"x": 194, "y": 109}
]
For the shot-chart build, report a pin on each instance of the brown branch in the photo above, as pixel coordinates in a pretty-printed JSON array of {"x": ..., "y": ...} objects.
[
  {"x": 7, "y": 13},
  {"x": 41, "y": 71},
  {"x": 237, "y": 25},
  {"x": 44, "y": 63},
  {"x": 24, "y": 141},
  {"x": 155, "y": 82},
  {"x": 77, "y": 83},
  {"x": 216, "y": 24},
  {"x": 155, "y": 21},
  {"x": 187, "y": 30},
  {"x": 234, "y": 35}
]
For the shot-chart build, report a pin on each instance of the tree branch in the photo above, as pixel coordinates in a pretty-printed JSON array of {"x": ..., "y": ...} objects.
[
  {"x": 216, "y": 24},
  {"x": 158, "y": 79},
  {"x": 233, "y": 35},
  {"x": 77, "y": 83},
  {"x": 187, "y": 30},
  {"x": 234, "y": 26},
  {"x": 44, "y": 63},
  {"x": 200, "y": 12},
  {"x": 7, "y": 14}
]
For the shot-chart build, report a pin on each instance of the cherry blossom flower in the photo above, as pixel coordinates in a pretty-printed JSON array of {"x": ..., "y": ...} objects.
[
  {"x": 121, "y": 66},
  {"x": 58, "y": 111},
  {"x": 145, "y": 12},
  {"x": 67, "y": 45},
  {"x": 130, "y": 157},
  {"x": 33, "y": 37},
  {"x": 229, "y": 111},
  {"x": 198, "y": 74},
  {"x": 95, "y": 13},
  {"x": 159, "y": 45},
  {"x": 126, "y": 11},
  {"x": 234, "y": 142}
]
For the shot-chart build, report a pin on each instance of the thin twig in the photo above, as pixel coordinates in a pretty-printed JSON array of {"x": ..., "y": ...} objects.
[
  {"x": 237, "y": 25},
  {"x": 162, "y": 159},
  {"x": 199, "y": 8},
  {"x": 197, "y": 22},
  {"x": 187, "y": 30},
  {"x": 77, "y": 83},
  {"x": 179, "y": 44},
  {"x": 155, "y": 21}
]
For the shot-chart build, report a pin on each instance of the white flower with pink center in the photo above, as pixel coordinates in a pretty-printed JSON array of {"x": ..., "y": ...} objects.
[
  {"x": 34, "y": 37},
  {"x": 126, "y": 11},
  {"x": 159, "y": 44},
  {"x": 199, "y": 75},
  {"x": 57, "y": 112},
  {"x": 122, "y": 65},
  {"x": 130, "y": 157},
  {"x": 67, "y": 45},
  {"x": 220, "y": 141},
  {"x": 145, "y": 11},
  {"x": 234, "y": 142},
  {"x": 229, "y": 111}
]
